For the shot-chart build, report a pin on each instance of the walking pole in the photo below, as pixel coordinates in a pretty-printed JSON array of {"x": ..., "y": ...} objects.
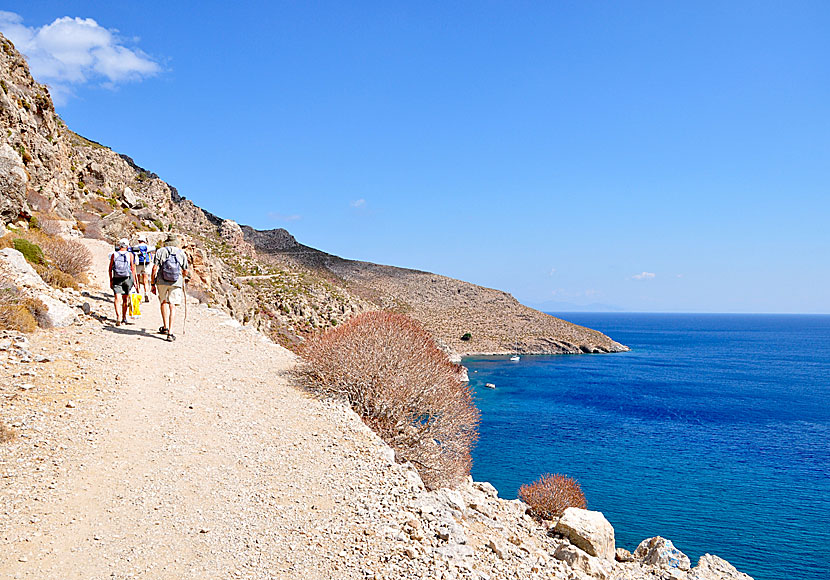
[{"x": 184, "y": 325}]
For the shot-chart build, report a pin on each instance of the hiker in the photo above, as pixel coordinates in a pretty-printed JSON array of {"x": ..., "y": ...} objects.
[
  {"x": 168, "y": 278},
  {"x": 122, "y": 279},
  {"x": 141, "y": 254}
]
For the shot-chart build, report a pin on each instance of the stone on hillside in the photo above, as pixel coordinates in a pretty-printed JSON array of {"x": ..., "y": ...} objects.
[
  {"x": 231, "y": 232},
  {"x": 58, "y": 313},
  {"x": 660, "y": 552},
  {"x": 13, "y": 181},
  {"x": 623, "y": 555},
  {"x": 582, "y": 562},
  {"x": 589, "y": 531},
  {"x": 21, "y": 271},
  {"x": 130, "y": 199},
  {"x": 711, "y": 567}
]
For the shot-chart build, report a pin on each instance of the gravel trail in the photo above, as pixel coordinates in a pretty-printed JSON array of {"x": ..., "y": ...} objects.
[{"x": 191, "y": 459}]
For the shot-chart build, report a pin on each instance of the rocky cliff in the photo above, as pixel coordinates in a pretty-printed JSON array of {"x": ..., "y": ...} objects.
[{"x": 263, "y": 278}]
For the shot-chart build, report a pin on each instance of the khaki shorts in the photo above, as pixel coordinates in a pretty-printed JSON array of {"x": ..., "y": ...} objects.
[
  {"x": 172, "y": 294},
  {"x": 141, "y": 269}
]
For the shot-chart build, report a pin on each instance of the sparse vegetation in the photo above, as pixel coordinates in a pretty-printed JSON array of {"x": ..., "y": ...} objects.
[
  {"x": 466, "y": 336},
  {"x": 31, "y": 251},
  {"x": 17, "y": 311},
  {"x": 403, "y": 386},
  {"x": 550, "y": 495}
]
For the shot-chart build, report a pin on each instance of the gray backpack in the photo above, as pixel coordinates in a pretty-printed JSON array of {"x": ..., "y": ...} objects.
[
  {"x": 170, "y": 268},
  {"x": 121, "y": 264}
]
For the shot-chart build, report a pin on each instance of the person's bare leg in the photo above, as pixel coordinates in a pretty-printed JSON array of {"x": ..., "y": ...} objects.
[
  {"x": 125, "y": 307},
  {"x": 115, "y": 301},
  {"x": 165, "y": 315},
  {"x": 170, "y": 319}
]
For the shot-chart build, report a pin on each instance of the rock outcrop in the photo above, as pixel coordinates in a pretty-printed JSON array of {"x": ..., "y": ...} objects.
[{"x": 589, "y": 531}]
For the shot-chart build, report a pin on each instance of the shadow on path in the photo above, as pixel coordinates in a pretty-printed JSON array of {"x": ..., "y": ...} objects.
[{"x": 127, "y": 331}]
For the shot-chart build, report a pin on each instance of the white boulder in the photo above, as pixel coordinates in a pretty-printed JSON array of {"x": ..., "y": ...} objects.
[
  {"x": 21, "y": 271},
  {"x": 589, "y": 531},
  {"x": 58, "y": 313},
  {"x": 661, "y": 553},
  {"x": 711, "y": 567}
]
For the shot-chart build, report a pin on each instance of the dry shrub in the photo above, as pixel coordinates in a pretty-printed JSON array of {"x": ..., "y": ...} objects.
[
  {"x": 550, "y": 495},
  {"x": 7, "y": 241},
  {"x": 403, "y": 386},
  {"x": 6, "y": 433},
  {"x": 51, "y": 227},
  {"x": 57, "y": 278},
  {"x": 69, "y": 256}
]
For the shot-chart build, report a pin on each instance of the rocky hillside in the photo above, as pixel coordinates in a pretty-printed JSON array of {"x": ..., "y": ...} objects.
[{"x": 53, "y": 178}]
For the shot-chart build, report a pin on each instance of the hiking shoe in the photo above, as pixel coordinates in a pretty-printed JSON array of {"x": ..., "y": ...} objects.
[
  {"x": 171, "y": 337},
  {"x": 146, "y": 299},
  {"x": 125, "y": 321},
  {"x": 163, "y": 330},
  {"x": 117, "y": 323}
]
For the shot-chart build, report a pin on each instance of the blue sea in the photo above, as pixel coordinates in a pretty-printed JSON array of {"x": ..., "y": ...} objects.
[{"x": 714, "y": 432}]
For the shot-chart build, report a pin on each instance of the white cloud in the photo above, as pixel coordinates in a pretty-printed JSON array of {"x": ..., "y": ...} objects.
[
  {"x": 552, "y": 272},
  {"x": 644, "y": 276},
  {"x": 358, "y": 203},
  {"x": 281, "y": 217},
  {"x": 76, "y": 51}
]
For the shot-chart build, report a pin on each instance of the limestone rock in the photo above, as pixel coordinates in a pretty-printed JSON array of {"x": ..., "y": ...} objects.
[
  {"x": 589, "y": 531},
  {"x": 130, "y": 199},
  {"x": 711, "y": 567},
  {"x": 582, "y": 562},
  {"x": 21, "y": 271},
  {"x": 660, "y": 552},
  {"x": 232, "y": 233},
  {"x": 13, "y": 180},
  {"x": 58, "y": 313},
  {"x": 623, "y": 555}
]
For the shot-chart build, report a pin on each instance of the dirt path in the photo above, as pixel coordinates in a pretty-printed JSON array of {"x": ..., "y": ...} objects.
[{"x": 192, "y": 459}]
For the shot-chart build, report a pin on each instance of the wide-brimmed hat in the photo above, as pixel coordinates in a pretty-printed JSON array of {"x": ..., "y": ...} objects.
[
  {"x": 173, "y": 239},
  {"x": 123, "y": 243}
]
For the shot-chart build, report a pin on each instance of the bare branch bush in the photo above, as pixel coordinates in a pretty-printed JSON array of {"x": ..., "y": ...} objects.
[
  {"x": 403, "y": 386},
  {"x": 550, "y": 495},
  {"x": 69, "y": 256}
]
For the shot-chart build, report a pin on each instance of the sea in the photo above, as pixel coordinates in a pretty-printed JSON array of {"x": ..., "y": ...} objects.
[{"x": 713, "y": 432}]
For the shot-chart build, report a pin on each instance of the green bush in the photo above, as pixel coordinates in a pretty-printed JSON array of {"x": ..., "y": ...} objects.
[
  {"x": 466, "y": 336},
  {"x": 30, "y": 251}
]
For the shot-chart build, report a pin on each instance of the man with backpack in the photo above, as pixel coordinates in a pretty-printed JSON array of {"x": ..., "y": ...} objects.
[
  {"x": 122, "y": 279},
  {"x": 168, "y": 277},
  {"x": 142, "y": 258}
]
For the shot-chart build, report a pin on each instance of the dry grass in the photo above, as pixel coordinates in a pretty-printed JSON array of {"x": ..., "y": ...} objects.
[
  {"x": 395, "y": 377},
  {"x": 6, "y": 433},
  {"x": 550, "y": 495},
  {"x": 68, "y": 261},
  {"x": 17, "y": 311}
]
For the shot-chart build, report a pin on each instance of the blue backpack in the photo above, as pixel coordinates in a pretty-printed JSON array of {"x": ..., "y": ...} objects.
[{"x": 143, "y": 254}]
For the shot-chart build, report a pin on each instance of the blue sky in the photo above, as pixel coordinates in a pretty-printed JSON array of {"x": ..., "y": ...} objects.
[{"x": 651, "y": 156}]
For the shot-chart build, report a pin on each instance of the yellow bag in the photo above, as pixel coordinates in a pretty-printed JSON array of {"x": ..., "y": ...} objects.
[{"x": 135, "y": 305}]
